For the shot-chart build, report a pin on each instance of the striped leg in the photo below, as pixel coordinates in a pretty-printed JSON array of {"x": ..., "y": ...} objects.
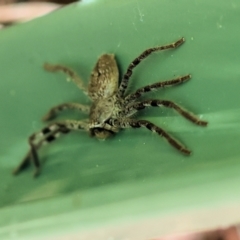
[
  {"x": 155, "y": 86},
  {"x": 159, "y": 103},
  {"x": 45, "y": 136},
  {"x": 52, "y": 113},
  {"x": 36, "y": 140},
  {"x": 126, "y": 123},
  {"x": 142, "y": 56},
  {"x": 69, "y": 72}
]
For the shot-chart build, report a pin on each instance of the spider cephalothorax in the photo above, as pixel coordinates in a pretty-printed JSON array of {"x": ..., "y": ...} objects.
[{"x": 111, "y": 109}]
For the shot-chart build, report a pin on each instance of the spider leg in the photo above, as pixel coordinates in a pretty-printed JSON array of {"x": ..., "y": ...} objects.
[
  {"x": 51, "y": 114},
  {"x": 126, "y": 123},
  {"x": 169, "y": 104},
  {"x": 142, "y": 56},
  {"x": 69, "y": 72},
  {"x": 23, "y": 164},
  {"x": 36, "y": 140},
  {"x": 45, "y": 136},
  {"x": 155, "y": 86}
]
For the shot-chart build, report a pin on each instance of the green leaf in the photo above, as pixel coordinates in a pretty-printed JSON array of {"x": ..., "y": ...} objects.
[{"x": 134, "y": 177}]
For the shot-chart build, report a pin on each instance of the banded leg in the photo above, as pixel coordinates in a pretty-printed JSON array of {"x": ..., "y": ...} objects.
[
  {"x": 142, "y": 56},
  {"x": 159, "y": 103},
  {"x": 156, "y": 86},
  {"x": 126, "y": 123},
  {"x": 45, "y": 136},
  {"x": 52, "y": 113},
  {"x": 69, "y": 72}
]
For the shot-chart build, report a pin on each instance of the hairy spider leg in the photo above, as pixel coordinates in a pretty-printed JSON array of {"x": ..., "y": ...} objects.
[
  {"x": 126, "y": 123},
  {"x": 69, "y": 72},
  {"x": 131, "y": 97},
  {"x": 142, "y": 56},
  {"x": 52, "y": 113},
  {"x": 169, "y": 104},
  {"x": 45, "y": 136}
]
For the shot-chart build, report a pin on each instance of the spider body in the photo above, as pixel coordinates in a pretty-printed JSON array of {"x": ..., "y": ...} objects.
[{"x": 111, "y": 109}]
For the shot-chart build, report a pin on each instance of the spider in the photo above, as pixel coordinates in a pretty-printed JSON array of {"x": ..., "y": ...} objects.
[{"x": 111, "y": 109}]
